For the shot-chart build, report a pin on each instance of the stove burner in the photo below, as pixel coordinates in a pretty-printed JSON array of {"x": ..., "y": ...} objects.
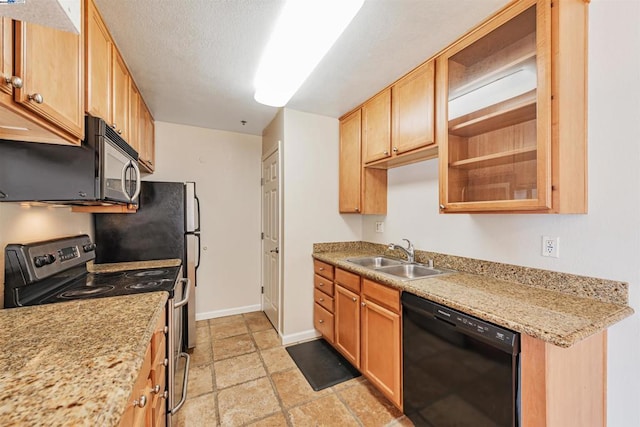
[
  {"x": 88, "y": 291},
  {"x": 145, "y": 285},
  {"x": 149, "y": 273}
]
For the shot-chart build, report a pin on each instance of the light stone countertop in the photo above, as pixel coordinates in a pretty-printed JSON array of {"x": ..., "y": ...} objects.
[
  {"x": 132, "y": 265},
  {"x": 74, "y": 363},
  {"x": 552, "y": 316}
]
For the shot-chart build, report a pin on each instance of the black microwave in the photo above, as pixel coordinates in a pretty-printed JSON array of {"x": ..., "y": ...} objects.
[{"x": 103, "y": 170}]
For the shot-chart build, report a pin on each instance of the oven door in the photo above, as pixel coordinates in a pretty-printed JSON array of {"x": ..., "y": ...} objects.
[
  {"x": 179, "y": 360},
  {"x": 120, "y": 177}
]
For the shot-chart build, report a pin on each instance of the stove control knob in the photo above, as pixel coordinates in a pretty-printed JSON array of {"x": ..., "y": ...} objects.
[
  {"x": 42, "y": 260},
  {"x": 89, "y": 247}
]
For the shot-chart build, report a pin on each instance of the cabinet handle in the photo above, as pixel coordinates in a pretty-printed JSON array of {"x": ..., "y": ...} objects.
[
  {"x": 386, "y": 153},
  {"x": 321, "y": 269},
  {"x": 142, "y": 402},
  {"x": 165, "y": 362},
  {"x": 156, "y": 389},
  {"x": 166, "y": 330},
  {"x": 119, "y": 131},
  {"x": 357, "y": 209},
  {"x": 321, "y": 299},
  {"x": 320, "y": 321},
  {"x": 165, "y": 394},
  {"x": 395, "y": 149},
  {"x": 354, "y": 299},
  {"x": 37, "y": 98},
  {"x": 320, "y": 284},
  {"x": 113, "y": 126},
  {"x": 14, "y": 81},
  {"x": 363, "y": 304},
  {"x": 441, "y": 206}
]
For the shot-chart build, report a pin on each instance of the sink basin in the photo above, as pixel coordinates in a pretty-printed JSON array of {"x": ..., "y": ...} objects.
[
  {"x": 375, "y": 261},
  {"x": 412, "y": 271}
]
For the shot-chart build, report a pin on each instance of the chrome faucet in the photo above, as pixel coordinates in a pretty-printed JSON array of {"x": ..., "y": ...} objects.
[{"x": 409, "y": 250}]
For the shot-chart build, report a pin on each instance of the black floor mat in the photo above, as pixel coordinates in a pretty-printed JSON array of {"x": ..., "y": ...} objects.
[{"x": 321, "y": 364}]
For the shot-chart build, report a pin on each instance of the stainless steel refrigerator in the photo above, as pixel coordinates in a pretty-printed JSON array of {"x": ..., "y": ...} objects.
[{"x": 166, "y": 225}]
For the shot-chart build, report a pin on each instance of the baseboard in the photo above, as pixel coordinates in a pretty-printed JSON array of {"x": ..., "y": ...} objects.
[
  {"x": 228, "y": 312},
  {"x": 300, "y": 336}
]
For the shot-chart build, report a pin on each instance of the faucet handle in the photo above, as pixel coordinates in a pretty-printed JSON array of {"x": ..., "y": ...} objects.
[{"x": 409, "y": 244}]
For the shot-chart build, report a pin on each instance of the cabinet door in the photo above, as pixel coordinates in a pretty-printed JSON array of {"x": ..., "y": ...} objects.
[
  {"x": 413, "y": 110},
  {"x": 350, "y": 163},
  {"x": 6, "y": 54},
  {"x": 50, "y": 63},
  {"x": 120, "y": 94},
  {"x": 381, "y": 350},
  {"x": 376, "y": 127},
  {"x": 135, "y": 119},
  {"x": 147, "y": 139},
  {"x": 347, "y": 324},
  {"x": 494, "y": 121},
  {"x": 98, "y": 47}
]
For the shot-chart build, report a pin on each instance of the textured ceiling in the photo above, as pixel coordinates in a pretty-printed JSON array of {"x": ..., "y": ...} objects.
[{"x": 194, "y": 60}]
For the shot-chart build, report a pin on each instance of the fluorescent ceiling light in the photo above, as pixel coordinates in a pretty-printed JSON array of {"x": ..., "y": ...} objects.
[{"x": 304, "y": 33}]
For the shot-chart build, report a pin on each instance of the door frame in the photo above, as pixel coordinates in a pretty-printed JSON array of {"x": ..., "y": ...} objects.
[{"x": 277, "y": 148}]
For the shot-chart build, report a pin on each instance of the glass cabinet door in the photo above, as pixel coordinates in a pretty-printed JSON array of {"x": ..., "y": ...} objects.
[{"x": 495, "y": 138}]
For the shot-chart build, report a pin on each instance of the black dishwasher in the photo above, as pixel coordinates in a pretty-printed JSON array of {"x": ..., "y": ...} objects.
[{"x": 458, "y": 370}]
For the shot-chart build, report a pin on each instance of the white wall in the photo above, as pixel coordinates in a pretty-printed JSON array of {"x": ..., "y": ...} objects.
[
  {"x": 226, "y": 169},
  {"x": 310, "y": 210},
  {"x": 23, "y": 224},
  {"x": 605, "y": 243}
]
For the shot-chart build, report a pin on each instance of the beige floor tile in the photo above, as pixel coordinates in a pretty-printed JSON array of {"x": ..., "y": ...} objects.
[
  {"x": 239, "y": 369},
  {"x": 293, "y": 388},
  {"x": 228, "y": 328},
  {"x": 202, "y": 323},
  {"x": 267, "y": 339},
  {"x": 227, "y": 319},
  {"x": 277, "y": 359},
  {"x": 232, "y": 346},
  {"x": 203, "y": 336},
  {"x": 348, "y": 383},
  {"x": 200, "y": 380},
  {"x": 369, "y": 405},
  {"x": 275, "y": 420},
  {"x": 197, "y": 412},
  {"x": 247, "y": 402},
  {"x": 326, "y": 411},
  {"x": 201, "y": 354},
  {"x": 257, "y": 321}
]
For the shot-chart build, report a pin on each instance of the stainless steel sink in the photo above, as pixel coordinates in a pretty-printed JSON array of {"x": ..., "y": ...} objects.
[
  {"x": 398, "y": 268},
  {"x": 412, "y": 271},
  {"x": 374, "y": 262}
]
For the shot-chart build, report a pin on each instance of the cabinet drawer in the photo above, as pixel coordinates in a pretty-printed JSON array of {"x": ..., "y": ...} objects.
[
  {"x": 323, "y": 322},
  {"x": 348, "y": 280},
  {"x": 323, "y": 269},
  {"x": 323, "y": 299},
  {"x": 135, "y": 415},
  {"x": 383, "y": 295},
  {"x": 323, "y": 284}
]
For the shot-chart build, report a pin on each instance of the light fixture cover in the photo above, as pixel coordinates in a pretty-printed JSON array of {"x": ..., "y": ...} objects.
[{"x": 304, "y": 33}]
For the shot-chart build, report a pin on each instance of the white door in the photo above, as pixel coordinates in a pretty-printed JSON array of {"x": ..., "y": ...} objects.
[{"x": 270, "y": 239}]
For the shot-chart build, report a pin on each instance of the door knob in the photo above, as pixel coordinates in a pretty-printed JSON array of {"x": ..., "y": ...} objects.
[{"x": 276, "y": 250}]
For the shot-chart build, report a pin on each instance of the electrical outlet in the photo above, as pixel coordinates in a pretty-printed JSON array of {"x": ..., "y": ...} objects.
[
  {"x": 379, "y": 227},
  {"x": 551, "y": 246}
]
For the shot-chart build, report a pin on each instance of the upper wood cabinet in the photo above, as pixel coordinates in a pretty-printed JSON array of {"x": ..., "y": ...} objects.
[
  {"x": 6, "y": 55},
  {"x": 119, "y": 95},
  {"x": 98, "y": 65},
  {"x": 499, "y": 90},
  {"x": 376, "y": 127},
  {"x": 134, "y": 117},
  {"x": 413, "y": 101},
  {"x": 361, "y": 190},
  {"x": 147, "y": 139}
]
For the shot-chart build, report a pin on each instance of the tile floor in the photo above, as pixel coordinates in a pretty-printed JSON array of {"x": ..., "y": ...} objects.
[{"x": 240, "y": 375}]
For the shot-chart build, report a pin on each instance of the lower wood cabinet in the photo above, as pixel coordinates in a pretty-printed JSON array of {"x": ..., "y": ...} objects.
[
  {"x": 381, "y": 329},
  {"x": 362, "y": 320}
]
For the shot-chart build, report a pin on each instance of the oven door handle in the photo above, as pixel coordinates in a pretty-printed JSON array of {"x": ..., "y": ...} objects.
[
  {"x": 184, "y": 384},
  {"x": 187, "y": 284}
]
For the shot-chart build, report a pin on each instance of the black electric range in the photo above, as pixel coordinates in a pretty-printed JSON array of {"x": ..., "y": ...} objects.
[{"x": 56, "y": 271}]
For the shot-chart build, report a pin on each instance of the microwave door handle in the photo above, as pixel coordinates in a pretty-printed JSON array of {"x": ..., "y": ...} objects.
[
  {"x": 138, "y": 179},
  {"x": 123, "y": 181}
]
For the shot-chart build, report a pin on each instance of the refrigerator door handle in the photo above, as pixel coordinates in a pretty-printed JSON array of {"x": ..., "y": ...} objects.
[
  {"x": 197, "y": 228},
  {"x": 199, "y": 253}
]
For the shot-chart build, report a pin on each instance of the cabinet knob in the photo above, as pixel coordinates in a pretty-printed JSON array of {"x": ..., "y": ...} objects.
[
  {"x": 37, "y": 98},
  {"x": 354, "y": 299},
  {"x": 119, "y": 131},
  {"x": 166, "y": 330},
  {"x": 165, "y": 362},
  {"x": 321, "y": 269},
  {"x": 363, "y": 304},
  {"x": 321, "y": 299},
  {"x": 320, "y": 321},
  {"x": 14, "y": 81},
  {"x": 441, "y": 206},
  {"x": 395, "y": 149},
  {"x": 113, "y": 126},
  {"x": 357, "y": 209},
  {"x": 386, "y": 153},
  {"x": 165, "y": 394},
  {"x": 156, "y": 389},
  {"x": 142, "y": 402},
  {"x": 320, "y": 284}
]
